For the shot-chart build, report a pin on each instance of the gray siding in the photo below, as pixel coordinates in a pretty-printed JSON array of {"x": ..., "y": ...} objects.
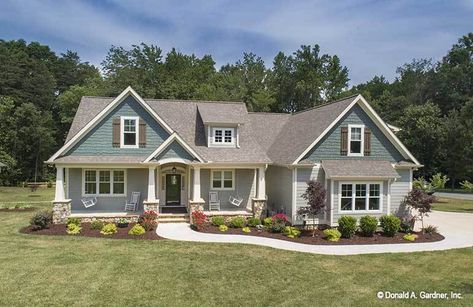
[
  {"x": 400, "y": 188},
  {"x": 329, "y": 147},
  {"x": 99, "y": 140},
  {"x": 137, "y": 181},
  {"x": 279, "y": 189},
  {"x": 174, "y": 150},
  {"x": 304, "y": 175},
  {"x": 245, "y": 187}
]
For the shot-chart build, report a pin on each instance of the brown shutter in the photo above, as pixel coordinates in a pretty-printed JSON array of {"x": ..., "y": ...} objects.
[
  {"x": 344, "y": 141},
  {"x": 367, "y": 148},
  {"x": 142, "y": 140},
  {"x": 116, "y": 132}
]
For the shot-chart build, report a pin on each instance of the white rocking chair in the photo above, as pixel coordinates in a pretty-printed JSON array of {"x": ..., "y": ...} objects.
[
  {"x": 214, "y": 202},
  {"x": 134, "y": 201},
  {"x": 89, "y": 202},
  {"x": 236, "y": 201}
]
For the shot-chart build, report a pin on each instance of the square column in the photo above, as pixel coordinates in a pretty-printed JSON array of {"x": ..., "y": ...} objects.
[
  {"x": 61, "y": 205},
  {"x": 151, "y": 185},
  {"x": 261, "y": 192},
  {"x": 196, "y": 197},
  {"x": 60, "y": 195}
]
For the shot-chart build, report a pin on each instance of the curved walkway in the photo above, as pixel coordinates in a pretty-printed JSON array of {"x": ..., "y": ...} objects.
[{"x": 456, "y": 227}]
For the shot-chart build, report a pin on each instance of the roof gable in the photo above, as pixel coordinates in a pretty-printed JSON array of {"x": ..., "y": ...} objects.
[{"x": 174, "y": 147}]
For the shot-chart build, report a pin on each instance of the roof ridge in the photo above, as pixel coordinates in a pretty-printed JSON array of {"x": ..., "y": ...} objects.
[
  {"x": 325, "y": 104},
  {"x": 173, "y": 99},
  {"x": 269, "y": 113}
]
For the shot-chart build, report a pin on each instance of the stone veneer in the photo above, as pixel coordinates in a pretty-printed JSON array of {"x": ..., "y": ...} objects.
[
  {"x": 61, "y": 211},
  {"x": 259, "y": 207},
  {"x": 151, "y": 206},
  {"x": 194, "y": 206}
]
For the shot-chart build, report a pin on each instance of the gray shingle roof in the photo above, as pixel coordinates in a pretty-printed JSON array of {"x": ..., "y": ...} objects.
[
  {"x": 226, "y": 113},
  {"x": 358, "y": 168},
  {"x": 101, "y": 159}
]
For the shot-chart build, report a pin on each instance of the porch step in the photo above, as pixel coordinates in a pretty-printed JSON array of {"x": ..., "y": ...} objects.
[{"x": 173, "y": 218}]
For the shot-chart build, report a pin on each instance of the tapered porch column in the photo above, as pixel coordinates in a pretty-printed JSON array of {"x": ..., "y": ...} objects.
[
  {"x": 61, "y": 205},
  {"x": 261, "y": 194},
  {"x": 60, "y": 196},
  {"x": 151, "y": 185},
  {"x": 259, "y": 202},
  {"x": 196, "y": 187}
]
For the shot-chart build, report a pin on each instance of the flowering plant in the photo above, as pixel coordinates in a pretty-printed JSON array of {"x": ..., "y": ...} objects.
[
  {"x": 199, "y": 220},
  {"x": 148, "y": 220},
  {"x": 280, "y": 218}
]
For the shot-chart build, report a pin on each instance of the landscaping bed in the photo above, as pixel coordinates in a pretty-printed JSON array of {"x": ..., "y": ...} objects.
[
  {"x": 20, "y": 209},
  {"x": 318, "y": 239},
  {"x": 86, "y": 231}
]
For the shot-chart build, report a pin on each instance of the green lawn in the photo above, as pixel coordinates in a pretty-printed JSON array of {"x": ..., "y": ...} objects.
[
  {"x": 16, "y": 194},
  {"x": 453, "y": 205},
  {"x": 42, "y": 270},
  {"x": 463, "y": 191}
]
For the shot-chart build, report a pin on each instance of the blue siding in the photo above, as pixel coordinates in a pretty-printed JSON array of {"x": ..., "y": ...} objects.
[
  {"x": 99, "y": 140},
  {"x": 329, "y": 147},
  {"x": 174, "y": 150}
]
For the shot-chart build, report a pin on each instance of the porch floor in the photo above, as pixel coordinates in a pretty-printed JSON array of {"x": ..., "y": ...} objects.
[
  {"x": 105, "y": 214},
  {"x": 225, "y": 213}
]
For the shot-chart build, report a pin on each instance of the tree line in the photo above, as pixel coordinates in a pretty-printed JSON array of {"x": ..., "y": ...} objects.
[{"x": 39, "y": 93}]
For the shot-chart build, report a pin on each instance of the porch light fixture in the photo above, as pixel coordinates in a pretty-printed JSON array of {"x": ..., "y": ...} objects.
[{"x": 173, "y": 170}]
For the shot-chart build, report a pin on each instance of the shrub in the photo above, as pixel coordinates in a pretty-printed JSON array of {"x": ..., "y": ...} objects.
[
  {"x": 410, "y": 237},
  {"x": 267, "y": 222},
  {"x": 253, "y": 222},
  {"x": 137, "y": 230},
  {"x": 292, "y": 232},
  {"x": 238, "y": 222},
  {"x": 407, "y": 225},
  {"x": 430, "y": 229},
  {"x": 280, "y": 218},
  {"x": 109, "y": 229},
  {"x": 368, "y": 225},
  {"x": 97, "y": 225},
  {"x": 199, "y": 220},
  {"x": 438, "y": 181},
  {"x": 42, "y": 219},
  {"x": 223, "y": 228},
  {"x": 347, "y": 226},
  {"x": 246, "y": 229},
  {"x": 332, "y": 234},
  {"x": 73, "y": 229},
  {"x": 466, "y": 185},
  {"x": 218, "y": 220},
  {"x": 390, "y": 224},
  {"x": 278, "y": 222},
  {"x": 73, "y": 220},
  {"x": 148, "y": 220}
]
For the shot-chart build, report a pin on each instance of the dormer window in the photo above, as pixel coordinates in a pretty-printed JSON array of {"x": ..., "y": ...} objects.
[
  {"x": 129, "y": 132},
  {"x": 223, "y": 136}
]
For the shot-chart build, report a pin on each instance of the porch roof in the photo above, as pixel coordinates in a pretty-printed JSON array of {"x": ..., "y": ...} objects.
[
  {"x": 100, "y": 159},
  {"x": 358, "y": 169}
]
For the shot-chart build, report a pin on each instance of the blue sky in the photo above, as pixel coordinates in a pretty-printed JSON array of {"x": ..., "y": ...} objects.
[{"x": 370, "y": 37}]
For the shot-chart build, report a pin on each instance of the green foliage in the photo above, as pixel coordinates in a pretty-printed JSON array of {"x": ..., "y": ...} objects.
[
  {"x": 73, "y": 229},
  {"x": 246, "y": 229},
  {"x": 267, "y": 222},
  {"x": 109, "y": 229},
  {"x": 73, "y": 220},
  {"x": 438, "y": 181},
  {"x": 223, "y": 228},
  {"x": 368, "y": 225},
  {"x": 332, "y": 234},
  {"x": 97, "y": 225},
  {"x": 390, "y": 224},
  {"x": 253, "y": 221},
  {"x": 347, "y": 226},
  {"x": 430, "y": 229},
  {"x": 292, "y": 232},
  {"x": 217, "y": 220},
  {"x": 42, "y": 219},
  {"x": 466, "y": 185},
  {"x": 410, "y": 237},
  {"x": 137, "y": 230},
  {"x": 238, "y": 222}
]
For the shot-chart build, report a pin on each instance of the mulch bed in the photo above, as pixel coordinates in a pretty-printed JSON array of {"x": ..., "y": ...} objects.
[
  {"x": 17, "y": 209},
  {"x": 306, "y": 237},
  {"x": 122, "y": 233}
]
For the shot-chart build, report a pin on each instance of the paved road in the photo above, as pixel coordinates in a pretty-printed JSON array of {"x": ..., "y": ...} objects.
[
  {"x": 454, "y": 195},
  {"x": 456, "y": 227}
]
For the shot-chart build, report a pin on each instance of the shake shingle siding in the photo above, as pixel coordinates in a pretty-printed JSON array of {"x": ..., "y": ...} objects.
[
  {"x": 329, "y": 147},
  {"x": 279, "y": 189},
  {"x": 174, "y": 150}
]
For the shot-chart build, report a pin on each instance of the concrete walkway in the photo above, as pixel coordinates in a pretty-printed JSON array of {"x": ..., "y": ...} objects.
[
  {"x": 456, "y": 227},
  {"x": 464, "y": 196}
]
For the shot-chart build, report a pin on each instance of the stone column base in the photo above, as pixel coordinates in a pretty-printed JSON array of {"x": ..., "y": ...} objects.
[
  {"x": 151, "y": 205},
  {"x": 195, "y": 206},
  {"x": 61, "y": 211},
  {"x": 259, "y": 207}
]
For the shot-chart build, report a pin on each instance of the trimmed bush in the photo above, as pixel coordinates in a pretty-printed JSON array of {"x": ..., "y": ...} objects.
[
  {"x": 223, "y": 228},
  {"x": 73, "y": 220},
  {"x": 347, "y": 226},
  {"x": 407, "y": 226},
  {"x": 368, "y": 225},
  {"x": 217, "y": 220},
  {"x": 246, "y": 229},
  {"x": 238, "y": 222},
  {"x": 332, "y": 234},
  {"x": 267, "y": 222},
  {"x": 253, "y": 222},
  {"x": 42, "y": 219},
  {"x": 97, "y": 225},
  {"x": 109, "y": 229},
  {"x": 137, "y": 230},
  {"x": 73, "y": 229},
  {"x": 292, "y": 232},
  {"x": 390, "y": 224},
  {"x": 410, "y": 237}
]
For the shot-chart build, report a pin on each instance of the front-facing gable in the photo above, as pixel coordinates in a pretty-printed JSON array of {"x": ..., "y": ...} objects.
[{"x": 174, "y": 151}]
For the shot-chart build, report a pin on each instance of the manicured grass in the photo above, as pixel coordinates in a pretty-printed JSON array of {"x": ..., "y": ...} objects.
[
  {"x": 47, "y": 270},
  {"x": 16, "y": 194},
  {"x": 462, "y": 191},
  {"x": 453, "y": 205}
]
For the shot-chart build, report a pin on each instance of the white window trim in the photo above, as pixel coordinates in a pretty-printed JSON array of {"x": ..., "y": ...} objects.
[
  {"x": 354, "y": 183},
  {"x": 97, "y": 182},
  {"x": 221, "y": 171},
  {"x": 362, "y": 151},
  {"x": 223, "y": 144},
  {"x": 122, "y": 131}
]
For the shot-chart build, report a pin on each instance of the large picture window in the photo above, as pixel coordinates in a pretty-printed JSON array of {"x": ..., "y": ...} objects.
[
  {"x": 355, "y": 140},
  {"x": 222, "y": 179},
  {"x": 104, "y": 182},
  {"x": 356, "y": 197},
  {"x": 129, "y": 132}
]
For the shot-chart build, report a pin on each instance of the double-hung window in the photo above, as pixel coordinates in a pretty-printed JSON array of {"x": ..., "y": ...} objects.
[
  {"x": 356, "y": 197},
  {"x": 129, "y": 132},
  {"x": 355, "y": 140},
  {"x": 223, "y": 136},
  {"x": 104, "y": 182},
  {"x": 223, "y": 179}
]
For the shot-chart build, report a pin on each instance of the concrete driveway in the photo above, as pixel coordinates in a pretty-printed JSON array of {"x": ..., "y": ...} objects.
[
  {"x": 456, "y": 227},
  {"x": 454, "y": 195}
]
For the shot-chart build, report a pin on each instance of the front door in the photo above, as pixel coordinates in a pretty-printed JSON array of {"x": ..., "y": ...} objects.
[{"x": 173, "y": 190}]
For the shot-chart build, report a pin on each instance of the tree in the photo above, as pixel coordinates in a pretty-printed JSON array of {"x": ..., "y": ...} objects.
[
  {"x": 315, "y": 194},
  {"x": 421, "y": 202}
]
